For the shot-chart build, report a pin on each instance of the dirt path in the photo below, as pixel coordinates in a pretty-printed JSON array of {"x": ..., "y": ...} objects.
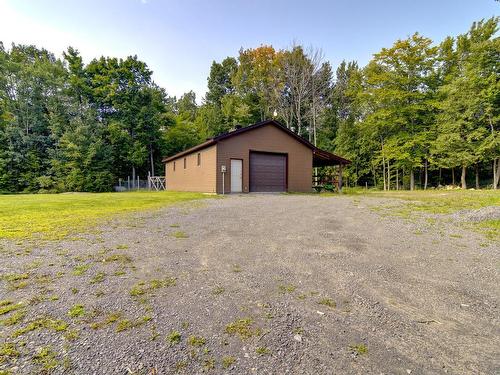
[{"x": 263, "y": 284}]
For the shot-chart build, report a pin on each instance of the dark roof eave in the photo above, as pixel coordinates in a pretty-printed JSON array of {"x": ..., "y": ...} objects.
[
  {"x": 326, "y": 157},
  {"x": 201, "y": 146}
]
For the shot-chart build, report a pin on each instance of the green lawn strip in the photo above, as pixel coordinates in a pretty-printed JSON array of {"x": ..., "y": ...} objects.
[
  {"x": 490, "y": 228},
  {"x": 55, "y": 216},
  {"x": 437, "y": 201}
]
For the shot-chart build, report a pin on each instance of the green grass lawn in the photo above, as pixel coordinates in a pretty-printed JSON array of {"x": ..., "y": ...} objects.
[
  {"x": 55, "y": 216},
  {"x": 441, "y": 202},
  {"x": 438, "y": 201}
]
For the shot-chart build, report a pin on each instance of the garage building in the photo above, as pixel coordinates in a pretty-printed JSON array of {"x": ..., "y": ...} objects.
[{"x": 263, "y": 157}]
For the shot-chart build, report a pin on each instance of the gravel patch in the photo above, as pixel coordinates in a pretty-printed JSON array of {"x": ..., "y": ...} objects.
[
  {"x": 475, "y": 216},
  {"x": 256, "y": 284}
]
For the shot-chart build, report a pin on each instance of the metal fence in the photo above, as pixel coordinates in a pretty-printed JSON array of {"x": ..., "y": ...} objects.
[{"x": 151, "y": 183}]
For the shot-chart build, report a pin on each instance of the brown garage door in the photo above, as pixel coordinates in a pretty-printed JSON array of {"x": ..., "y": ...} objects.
[{"x": 267, "y": 172}]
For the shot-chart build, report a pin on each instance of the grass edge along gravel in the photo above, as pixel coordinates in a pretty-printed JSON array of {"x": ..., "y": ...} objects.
[{"x": 56, "y": 216}]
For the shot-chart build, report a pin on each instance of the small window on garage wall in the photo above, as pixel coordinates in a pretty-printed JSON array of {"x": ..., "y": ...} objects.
[
  {"x": 199, "y": 159},
  {"x": 184, "y": 163},
  {"x": 174, "y": 166}
]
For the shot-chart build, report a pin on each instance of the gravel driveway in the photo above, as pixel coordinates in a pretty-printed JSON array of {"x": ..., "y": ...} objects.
[{"x": 255, "y": 284}]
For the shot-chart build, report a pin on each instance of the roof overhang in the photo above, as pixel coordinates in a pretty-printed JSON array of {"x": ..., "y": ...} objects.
[
  {"x": 203, "y": 145},
  {"x": 321, "y": 158}
]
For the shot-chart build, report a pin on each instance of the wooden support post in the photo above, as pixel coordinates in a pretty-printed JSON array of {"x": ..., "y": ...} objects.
[{"x": 340, "y": 178}]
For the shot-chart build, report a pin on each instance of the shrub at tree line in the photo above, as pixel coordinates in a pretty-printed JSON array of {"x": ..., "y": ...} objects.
[{"x": 419, "y": 113}]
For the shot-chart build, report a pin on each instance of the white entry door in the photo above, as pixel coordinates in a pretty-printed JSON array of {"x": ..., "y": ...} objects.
[{"x": 236, "y": 175}]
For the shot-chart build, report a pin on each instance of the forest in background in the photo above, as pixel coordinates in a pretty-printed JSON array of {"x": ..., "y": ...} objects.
[{"x": 420, "y": 114}]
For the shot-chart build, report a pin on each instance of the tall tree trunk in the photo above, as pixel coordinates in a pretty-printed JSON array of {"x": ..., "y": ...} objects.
[
  {"x": 440, "y": 175},
  {"x": 151, "y": 160},
  {"x": 453, "y": 176},
  {"x": 426, "y": 176},
  {"x": 133, "y": 177},
  {"x": 383, "y": 164},
  {"x": 412, "y": 179},
  {"x": 374, "y": 174},
  {"x": 397, "y": 178},
  {"x": 462, "y": 178},
  {"x": 388, "y": 175},
  {"x": 477, "y": 176},
  {"x": 496, "y": 172},
  {"x": 383, "y": 173}
]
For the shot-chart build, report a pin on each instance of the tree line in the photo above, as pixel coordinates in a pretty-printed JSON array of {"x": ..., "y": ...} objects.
[{"x": 418, "y": 114}]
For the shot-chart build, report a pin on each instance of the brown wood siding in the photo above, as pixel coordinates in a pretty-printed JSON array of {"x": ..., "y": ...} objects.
[
  {"x": 267, "y": 172},
  {"x": 200, "y": 178},
  {"x": 267, "y": 138}
]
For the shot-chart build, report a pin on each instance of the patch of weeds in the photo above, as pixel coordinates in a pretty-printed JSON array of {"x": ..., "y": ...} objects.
[
  {"x": 122, "y": 247},
  {"x": 359, "y": 348},
  {"x": 123, "y": 325},
  {"x": 44, "y": 279},
  {"x": 16, "y": 280},
  {"x": 288, "y": 288},
  {"x": 227, "y": 362},
  {"x": 8, "y": 350},
  {"x": 120, "y": 272},
  {"x": 72, "y": 334},
  {"x": 33, "y": 265},
  {"x": 98, "y": 278},
  {"x": 126, "y": 324},
  {"x": 185, "y": 325},
  {"x": 62, "y": 252},
  {"x": 327, "y": 302},
  {"x": 302, "y": 296},
  {"x": 99, "y": 293},
  {"x": 180, "y": 365},
  {"x": 46, "y": 357},
  {"x": 113, "y": 317},
  {"x": 56, "y": 325},
  {"x": 66, "y": 363},
  {"x": 76, "y": 311},
  {"x": 14, "y": 319},
  {"x": 269, "y": 315},
  {"x": 154, "y": 333},
  {"x": 209, "y": 364},
  {"x": 110, "y": 319},
  {"x": 218, "y": 290},
  {"x": 74, "y": 290},
  {"x": 179, "y": 234},
  {"x": 175, "y": 225},
  {"x": 138, "y": 289},
  {"x": 54, "y": 297},
  {"x": 196, "y": 341},
  {"x": 242, "y": 328},
  {"x": 298, "y": 331},
  {"x": 80, "y": 269},
  {"x": 142, "y": 287},
  {"x": 262, "y": 350},
  {"x": 456, "y": 235},
  {"x": 122, "y": 258},
  {"x": 7, "y": 306},
  {"x": 237, "y": 268},
  {"x": 174, "y": 337}
]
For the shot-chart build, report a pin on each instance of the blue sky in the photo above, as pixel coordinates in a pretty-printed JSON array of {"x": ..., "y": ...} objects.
[{"x": 180, "y": 39}]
